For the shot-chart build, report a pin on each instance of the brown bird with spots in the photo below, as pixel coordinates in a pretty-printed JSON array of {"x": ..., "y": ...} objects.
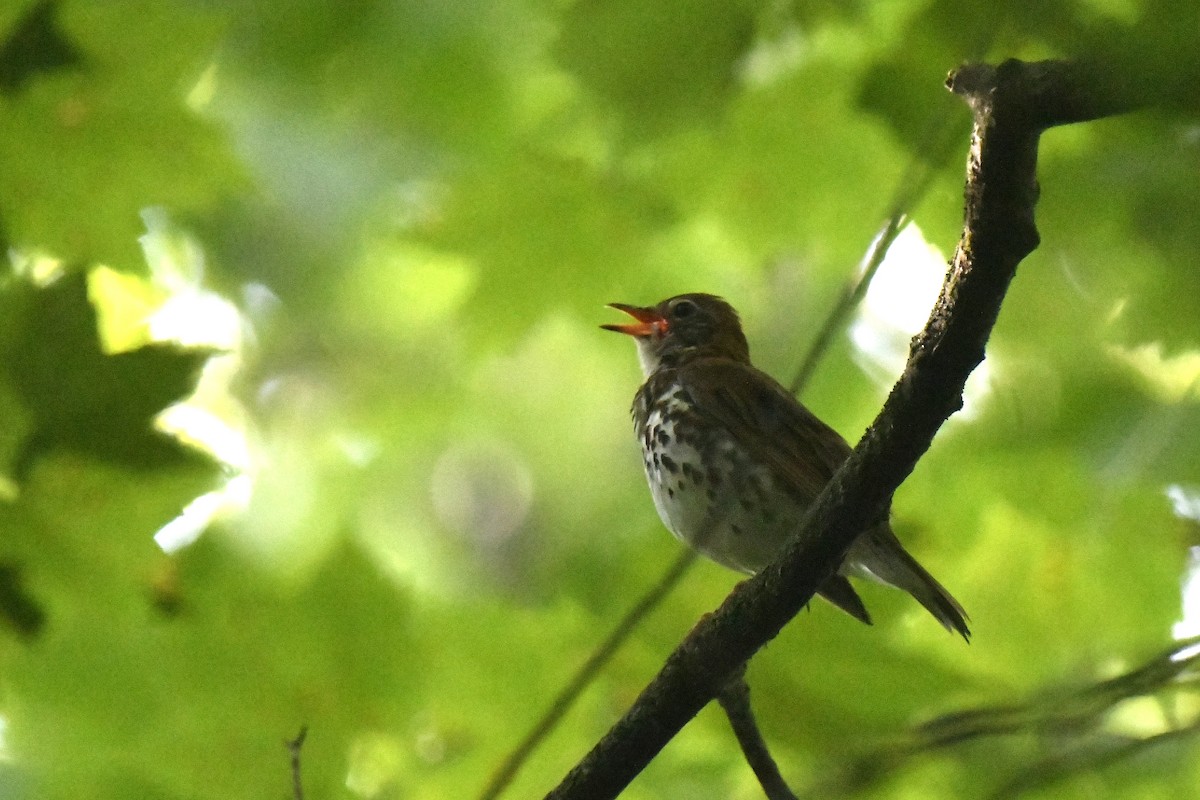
[{"x": 733, "y": 460}]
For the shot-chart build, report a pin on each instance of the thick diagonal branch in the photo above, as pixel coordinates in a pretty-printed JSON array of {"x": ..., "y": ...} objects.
[{"x": 1012, "y": 105}]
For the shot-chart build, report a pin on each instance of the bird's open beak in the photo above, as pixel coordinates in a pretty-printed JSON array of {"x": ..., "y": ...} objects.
[{"x": 649, "y": 321}]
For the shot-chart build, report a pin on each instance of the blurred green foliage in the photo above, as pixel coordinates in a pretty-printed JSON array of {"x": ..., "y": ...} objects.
[{"x": 419, "y": 210}]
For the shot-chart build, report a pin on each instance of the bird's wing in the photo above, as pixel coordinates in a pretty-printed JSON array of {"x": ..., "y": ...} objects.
[{"x": 801, "y": 450}]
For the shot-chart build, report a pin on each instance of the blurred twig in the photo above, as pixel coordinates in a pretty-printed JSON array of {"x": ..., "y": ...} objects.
[
  {"x": 940, "y": 139},
  {"x": 293, "y": 747},
  {"x": 852, "y": 295},
  {"x": 735, "y": 700},
  {"x": 1047, "y": 771},
  {"x": 586, "y": 673},
  {"x": 1074, "y": 721}
]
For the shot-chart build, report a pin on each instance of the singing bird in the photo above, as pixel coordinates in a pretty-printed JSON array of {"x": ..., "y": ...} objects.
[{"x": 733, "y": 459}]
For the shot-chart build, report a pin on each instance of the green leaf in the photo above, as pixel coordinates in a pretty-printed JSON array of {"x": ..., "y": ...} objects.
[
  {"x": 661, "y": 65},
  {"x": 36, "y": 45},
  {"x": 82, "y": 400},
  {"x": 82, "y": 152}
]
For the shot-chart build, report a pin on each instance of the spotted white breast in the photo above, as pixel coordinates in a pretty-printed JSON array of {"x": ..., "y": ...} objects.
[{"x": 707, "y": 492}]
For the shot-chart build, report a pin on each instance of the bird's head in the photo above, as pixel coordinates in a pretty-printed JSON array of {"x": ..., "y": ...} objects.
[{"x": 682, "y": 328}]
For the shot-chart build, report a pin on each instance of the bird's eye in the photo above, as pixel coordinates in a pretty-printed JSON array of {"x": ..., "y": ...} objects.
[{"x": 684, "y": 308}]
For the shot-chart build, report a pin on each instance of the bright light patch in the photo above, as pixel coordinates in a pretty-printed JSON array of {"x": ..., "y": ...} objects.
[
  {"x": 205, "y": 429},
  {"x": 1185, "y": 502},
  {"x": 407, "y": 289},
  {"x": 1171, "y": 378},
  {"x": 123, "y": 303},
  {"x": 1186, "y": 653},
  {"x": 189, "y": 314},
  {"x": 376, "y": 763},
  {"x": 38, "y": 268},
  {"x": 198, "y": 515},
  {"x": 1138, "y": 717},
  {"x": 897, "y": 306},
  {"x": 173, "y": 306},
  {"x": 775, "y": 57},
  {"x": 175, "y": 259},
  {"x": 259, "y": 301},
  {"x": 205, "y": 88},
  {"x": 431, "y": 287},
  {"x": 482, "y": 490},
  {"x": 358, "y": 450},
  {"x": 197, "y": 319}
]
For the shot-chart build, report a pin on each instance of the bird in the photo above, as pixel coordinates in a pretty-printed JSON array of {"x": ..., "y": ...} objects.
[{"x": 733, "y": 459}]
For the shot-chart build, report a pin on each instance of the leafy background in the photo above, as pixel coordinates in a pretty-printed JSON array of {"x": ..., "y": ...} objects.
[{"x": 393, "y": 225}]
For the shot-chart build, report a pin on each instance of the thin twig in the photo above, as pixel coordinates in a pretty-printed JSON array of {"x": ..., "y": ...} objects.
[
  {"x": 1051, "y": 770},
  {"x": 938, "y": 143},
  {"x": 735, "y": 700},
  {"x": 851, "y": 296},
  {"x": 567, "y": 696},
  {"x": 1061, "y": 716},
  {"x": 293, "y": 747}
]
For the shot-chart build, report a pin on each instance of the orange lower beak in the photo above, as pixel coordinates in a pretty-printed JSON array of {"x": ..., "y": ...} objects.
[{"x": 649, "y": 321}]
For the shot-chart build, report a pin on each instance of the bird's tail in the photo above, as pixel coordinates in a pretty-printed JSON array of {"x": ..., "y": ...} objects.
[{"x": 878, "y": 554}]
